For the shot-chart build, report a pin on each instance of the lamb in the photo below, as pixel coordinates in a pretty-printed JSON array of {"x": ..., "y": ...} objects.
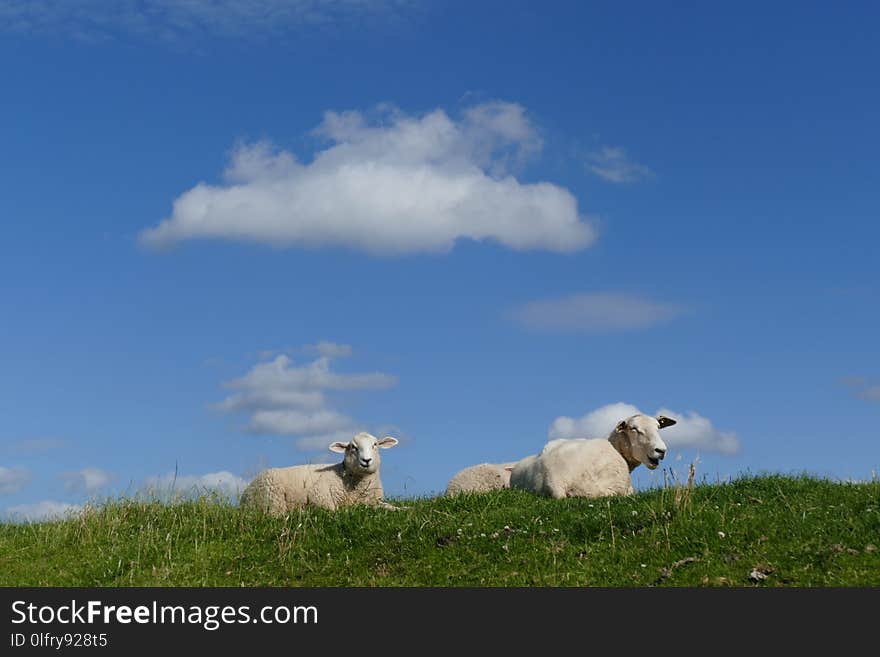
[
  {"x": 594, "y": 467},
  {"x": 355, "y": 480},
  {"x": 481, "y": 478}
]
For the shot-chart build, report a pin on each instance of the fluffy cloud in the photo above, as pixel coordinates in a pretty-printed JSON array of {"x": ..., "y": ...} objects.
[
  {"x": 691, "y": 431},
  {"x": 400, "y": 184},
  {"x": 284, "y": 398},
  {"x": 87, "y": 480},
  {"x": 697, "y": 432},
  {"x": 594, "y": 312},
  {"x": 40, "y": 511},
  {"x": 13, "y": 480},
  {"x": 279, "y": 384},
  {"x": 613, "y": 165},
  {"x": 595, "y": 424},
  {"x": 293, "y": 422},
  {"x": 173, "y": 485}
]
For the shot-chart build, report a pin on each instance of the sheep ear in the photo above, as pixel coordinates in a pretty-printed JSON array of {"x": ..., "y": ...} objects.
[
  {"x": 508, "y": 468},
  {"x": 665, "y": 421},
  {"x": 387, "y": 442},
  {"x": 621, "y": 426},
  {"x": 338, "y": 447}
]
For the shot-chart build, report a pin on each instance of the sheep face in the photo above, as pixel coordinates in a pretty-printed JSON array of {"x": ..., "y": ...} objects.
[
  {"x": 643, "y": 434},
  {"x": 362, "y": 453}
]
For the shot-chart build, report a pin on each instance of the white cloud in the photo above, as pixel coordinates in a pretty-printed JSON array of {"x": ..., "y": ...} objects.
[
  {"x": 293, "y": 422},
  {"x": 595, "y": 424},
  {"x": 400, "y": 184},
  {"x": 613, "y": 165},
  {"x": 268, "y": 397},
  {"x": 87, "y": 480},
  {"x": 692, "y": 430},
  {"x": 177, "y": 20},
  {"x": 697, "y": 432},
  {"x": 172, "y": 485},
  {"x": 595, "y": 312},
  {"x": 283, "y": 398},
  {"x": 13, "y": 480},
  {"x": 280, "y": 385},
  {"x": 40, "y": 511}
]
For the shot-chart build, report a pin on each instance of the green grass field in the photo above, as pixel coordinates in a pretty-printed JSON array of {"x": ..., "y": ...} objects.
[{"x": 754, "y": 531}]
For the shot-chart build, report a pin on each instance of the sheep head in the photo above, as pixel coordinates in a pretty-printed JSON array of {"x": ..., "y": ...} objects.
[
  {"x": 362, "y": 452},
  {"x": 638, "y": 439}
]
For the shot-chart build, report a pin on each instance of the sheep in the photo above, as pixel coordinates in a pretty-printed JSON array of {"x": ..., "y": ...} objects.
[
  {"x": 481, "y": 478},
  {"x": 594, "y": 467},
  {"x": 354, "y": 480}
]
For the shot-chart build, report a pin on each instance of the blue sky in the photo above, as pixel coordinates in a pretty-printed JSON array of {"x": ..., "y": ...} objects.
[{"x": 233, "y": 232}]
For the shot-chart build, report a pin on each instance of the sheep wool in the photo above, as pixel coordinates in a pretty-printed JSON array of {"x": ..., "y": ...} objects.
[
  {"x": 574, "y": 468},
  {"x": 355, "y": 480},
  {"x": 594, "y": 467},
  {"x": 480, "y": 478}
]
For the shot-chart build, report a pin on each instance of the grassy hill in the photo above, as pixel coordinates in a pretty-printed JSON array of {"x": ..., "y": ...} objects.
[{"x": 756, "y": 530}]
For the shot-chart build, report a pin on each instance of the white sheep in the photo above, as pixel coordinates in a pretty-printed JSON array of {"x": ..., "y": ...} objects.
[
  {"x": 355, "y": 480},
  {"x": 594, "y": 467},
  {"x": 480, "y": 478}
]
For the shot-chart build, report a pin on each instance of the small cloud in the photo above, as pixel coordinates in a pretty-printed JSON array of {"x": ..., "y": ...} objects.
[
  {"x": 289, "y": 399},
  {"x": 13, "y": 480},
  {"x": 87, "y": 480},
  {"x": 613, "y": 165},
  {"x": 692, "y": 430},
  {"x": 279, "y": 384},
  {"x": 42, "y": 511},
  {"x": 595, "y": 312},
  {"x": 172, "y": 485},
  {"x": 295, "y": 422}
]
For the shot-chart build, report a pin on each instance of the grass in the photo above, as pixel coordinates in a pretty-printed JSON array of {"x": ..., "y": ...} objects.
[{"x": 766, "y": 530}]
